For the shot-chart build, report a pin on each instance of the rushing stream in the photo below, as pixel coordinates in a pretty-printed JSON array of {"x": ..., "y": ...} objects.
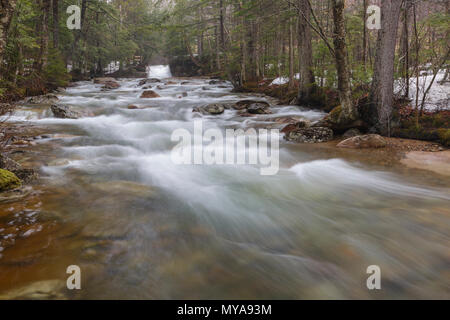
[{"x": 141, "y": 227}]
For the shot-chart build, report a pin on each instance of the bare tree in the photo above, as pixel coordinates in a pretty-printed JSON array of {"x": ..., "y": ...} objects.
[
  {"x": 349, "y": 112},
  {"x": 305, "y": 51},
  {"x": 382, "y": 91}
]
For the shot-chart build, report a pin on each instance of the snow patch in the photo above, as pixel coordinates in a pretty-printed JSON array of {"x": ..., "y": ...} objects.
[{"x": 438, "y": 97}]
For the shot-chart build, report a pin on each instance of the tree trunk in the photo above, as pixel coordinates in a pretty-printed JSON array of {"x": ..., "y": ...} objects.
[
  {"x": 305, "y": 52},
  {"x": 55, "y": 23},
  {"x": 43, "y": 51},
  {"x": 405, "y": 48},
  {"x": 7, "y": 8},
  {"x": 349, "y": 112},
  {"x": 222, "y": 27},
  {"x": 365, "y": 43},
  {"x": 382, "y": 91},
  {"x": 291, "y": 50}
]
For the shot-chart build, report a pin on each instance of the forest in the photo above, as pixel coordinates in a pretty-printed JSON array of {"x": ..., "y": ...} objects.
[
  {"x": 352, "y": 175},
  {"x": 325, "y": 50}
]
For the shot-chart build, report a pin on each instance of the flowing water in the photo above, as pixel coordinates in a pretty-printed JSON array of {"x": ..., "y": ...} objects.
[{"x": 140, "y": 227}]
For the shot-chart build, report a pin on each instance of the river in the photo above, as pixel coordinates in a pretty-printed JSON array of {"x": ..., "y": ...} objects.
[{"x": 112, "y": 202}]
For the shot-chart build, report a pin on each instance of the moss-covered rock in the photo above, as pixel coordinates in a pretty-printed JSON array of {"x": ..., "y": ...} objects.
[
  {"x": 334, "y": 115},
  {"x": 8, "y": 180}
]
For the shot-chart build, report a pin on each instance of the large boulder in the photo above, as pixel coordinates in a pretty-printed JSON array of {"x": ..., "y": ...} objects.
[
  {"x": 301, "y": 124},
  {"x": 104, "y": 80},
  {"x": 8, "y": 180},
  {"x": 244, "y": 104},
  {"x": 213, "y": 109},
  {"x": 364, "y": 142},
  {"x": 149, "y": 94},
  {"x": 65, "y": 112},
  {"x": 259, "y": 108},
  {"x": 310, "y": 135},
  {"x": 109, "y": 85}
]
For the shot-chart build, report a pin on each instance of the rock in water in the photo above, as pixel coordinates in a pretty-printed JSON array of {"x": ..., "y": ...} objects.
[
  {"x": 24, "y": 174},
  {"x": 296, "y": 125},
  {"x": 213, "y": 109},
  {"x": 244, "y": 104},
  {"x": 8, "y": 180},
  {"x": 8, "y": 163},
  {"x": 258, "y": 108},
  {"x": 364, "y": 142},
  {"x": 149, "y": 94},
  {"x": 109, "y": 85},
  {"x": 145, "y": 81},
  {"x": 65, "y": 112},
  {"x": 310, "y": 135},
  {"x": 104, "y": 80}
]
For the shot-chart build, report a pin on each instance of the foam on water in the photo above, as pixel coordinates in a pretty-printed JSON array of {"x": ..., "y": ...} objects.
[{"x": 280, "y": 231}]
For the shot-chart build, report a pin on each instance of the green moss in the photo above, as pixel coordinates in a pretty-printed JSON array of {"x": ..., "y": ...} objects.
[
  {"x": 8, "y": 180},
  {"x": 334, "y": 114},
  {"x": 444, "y": 136}
]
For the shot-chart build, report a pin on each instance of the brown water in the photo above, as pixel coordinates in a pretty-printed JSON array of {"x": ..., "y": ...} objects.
[{"x": 111, "y": 201}]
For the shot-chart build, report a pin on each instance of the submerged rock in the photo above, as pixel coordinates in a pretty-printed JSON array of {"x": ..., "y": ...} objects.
[
  {"x": 8, "y": 180},
  {"x": 363, "y": 142},
  {"x": 132, "y": 107},
  {"x": 433, "y": 161},
  {"x": 213, "y": 109},
  {"x": 125, "y": 189},
  {"x": 149, "y": 94},
  {"x": 40, "y": 290},
  {"x": 310, "y": 135},
  {"x": 65, "y": 112}
]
